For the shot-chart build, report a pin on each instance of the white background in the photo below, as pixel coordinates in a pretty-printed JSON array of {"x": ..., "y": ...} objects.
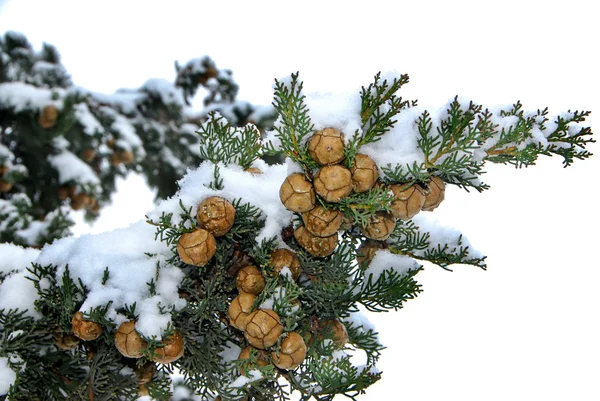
[{"x": 527, "y": 329}]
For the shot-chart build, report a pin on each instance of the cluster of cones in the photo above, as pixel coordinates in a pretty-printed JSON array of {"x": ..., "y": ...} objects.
[
  {"x": 262, "y": 327},
  {"x": 215, "y": 218},
  {"x": 267, "y": 343},
  {"x": 78, "y": 200},
  {"x": 127, "y": 341},
  {"x": 333, "y": 182}
]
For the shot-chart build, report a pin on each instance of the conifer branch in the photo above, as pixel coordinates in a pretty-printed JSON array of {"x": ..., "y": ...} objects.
[{"x": 294, "y": 124}]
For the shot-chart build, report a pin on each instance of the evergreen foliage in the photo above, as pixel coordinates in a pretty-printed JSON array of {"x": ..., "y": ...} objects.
[
  {"x": 61, "y": 144},
  {"x": 323, "y": 306}
]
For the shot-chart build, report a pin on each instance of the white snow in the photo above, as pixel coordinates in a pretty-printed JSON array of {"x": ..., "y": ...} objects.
[
  {"x": 21, "y": 96},
  {"x": 399, "y": 145},
  {"x": 125, "y": 130},
  {"x": 72, "y": 168},
  {"x": 338, "y": 110},
  {"x": 443, "y": 235},
  {"x": 360, "y": 320},
  {"x": 260, "y": 190},
  {"x": 122, "y": 252},
  {"x": 165, "y": 90},
  {"x": 230, "y": 353},
  {"x": 386, "y": 260},
  {"x": 241, "y": 381},
  {"x": 16, "y": 258},
  {"x": 198, "y": 64},
  {"x": 18, "y": 292},
  {"x": 7, "y": 376},
  {"x": 125, "y": 100},
  {"x": 90, "y": 124}
]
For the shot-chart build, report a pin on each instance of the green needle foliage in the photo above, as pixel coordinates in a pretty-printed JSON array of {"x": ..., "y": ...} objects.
[
  {"x": 63, "y": 147},
  {"x": 323, "y": 309}
]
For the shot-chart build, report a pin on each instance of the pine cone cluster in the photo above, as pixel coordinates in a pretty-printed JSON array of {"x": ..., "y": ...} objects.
[
  {"x": 122, "y": 156},
  {"x": 131, "y": 345},
  {"x": 262, "y": 328},
  {"x": 77, "y": 200},
  {"x": 316, "y": 198},
  {"x": 215, "y": 218}
]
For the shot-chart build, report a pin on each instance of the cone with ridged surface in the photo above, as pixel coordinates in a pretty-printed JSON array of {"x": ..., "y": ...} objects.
[
  {"x": 364, "y": 173},
  {"x": 250, "y": 280},
  {"x": 216, "y": 215},
  {"x": 335, "y": 330},
  {"x": 239, "y": 310},
  {"x": 297, "y": 193},
  {"x": 281, "y": 258},
  {"x": 435, "y": 194},
  {"x": 260, "y": 359},
  {"x": 408, "y": 200},
  {"x": 129, "y": 343},
  {"x": 317, "y": 246},
  {"x": 85, "y": 329},
  {"x": 172, "y": 349},
  {"x": 322, "y": 222},
  {"x": 196, "y": 247},
  {"x": 379, "y": 227},
  {"x": 333, "y": 183},
  {"x": 263, "y": 328},
  {"x": 326, "y": 146},
  {"x": 291, "y": 353}
]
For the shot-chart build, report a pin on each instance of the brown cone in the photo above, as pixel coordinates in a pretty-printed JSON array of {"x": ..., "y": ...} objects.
[
  {"x": 317, "y": 246},
  {"x": 48, "y": 117},
  {"x": 435, "y": 194},
  {"x": 322, "y": 222},
  {"x": 297, "y": 193},
  {"x": 85, "y": 329},
  {"x": 407, "y": 201},
  {"x": 366, "y": 252},
  {"x": 5, "y": 186},
  {"x": 197, "y": 247},
  {"x": 364, "y": 173},
  {"x": 216, "y": 215},
  {"x": 379, "y": 227},
  {"x": 291, "y": 353},
  {"x": 335, "y": 330},
  {"x": 333, "y": 183},
  {"x": 239, "y": 310},
  {"x": 171, "y": 351},
  {"x": 128, "y": 341},
  {"x": 281, "y": 258},
  {"x": 326, "y": 146},
  {"x": 263, "y": 328},
  {"x": 250, "y": 280},
  {"x": 261, "y": 358},
  {"x": 65, "y": 341}
]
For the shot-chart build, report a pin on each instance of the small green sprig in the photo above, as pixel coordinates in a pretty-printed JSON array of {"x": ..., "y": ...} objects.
[
  {"x": 408, "y": 239},
  {"x": 220, "y": 142},
  {"x": 294, "y": 123},
  {"x": 360, "y": 207},
  {"x": 449, "y": 149},
  {"x": 516, "y": 145},
  {"x": 379, "y": 106},
  {"x": 389, "y": 291}
]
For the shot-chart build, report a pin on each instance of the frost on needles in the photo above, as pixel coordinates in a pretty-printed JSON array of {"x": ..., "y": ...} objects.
[{"x": 253, "y": 280}]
